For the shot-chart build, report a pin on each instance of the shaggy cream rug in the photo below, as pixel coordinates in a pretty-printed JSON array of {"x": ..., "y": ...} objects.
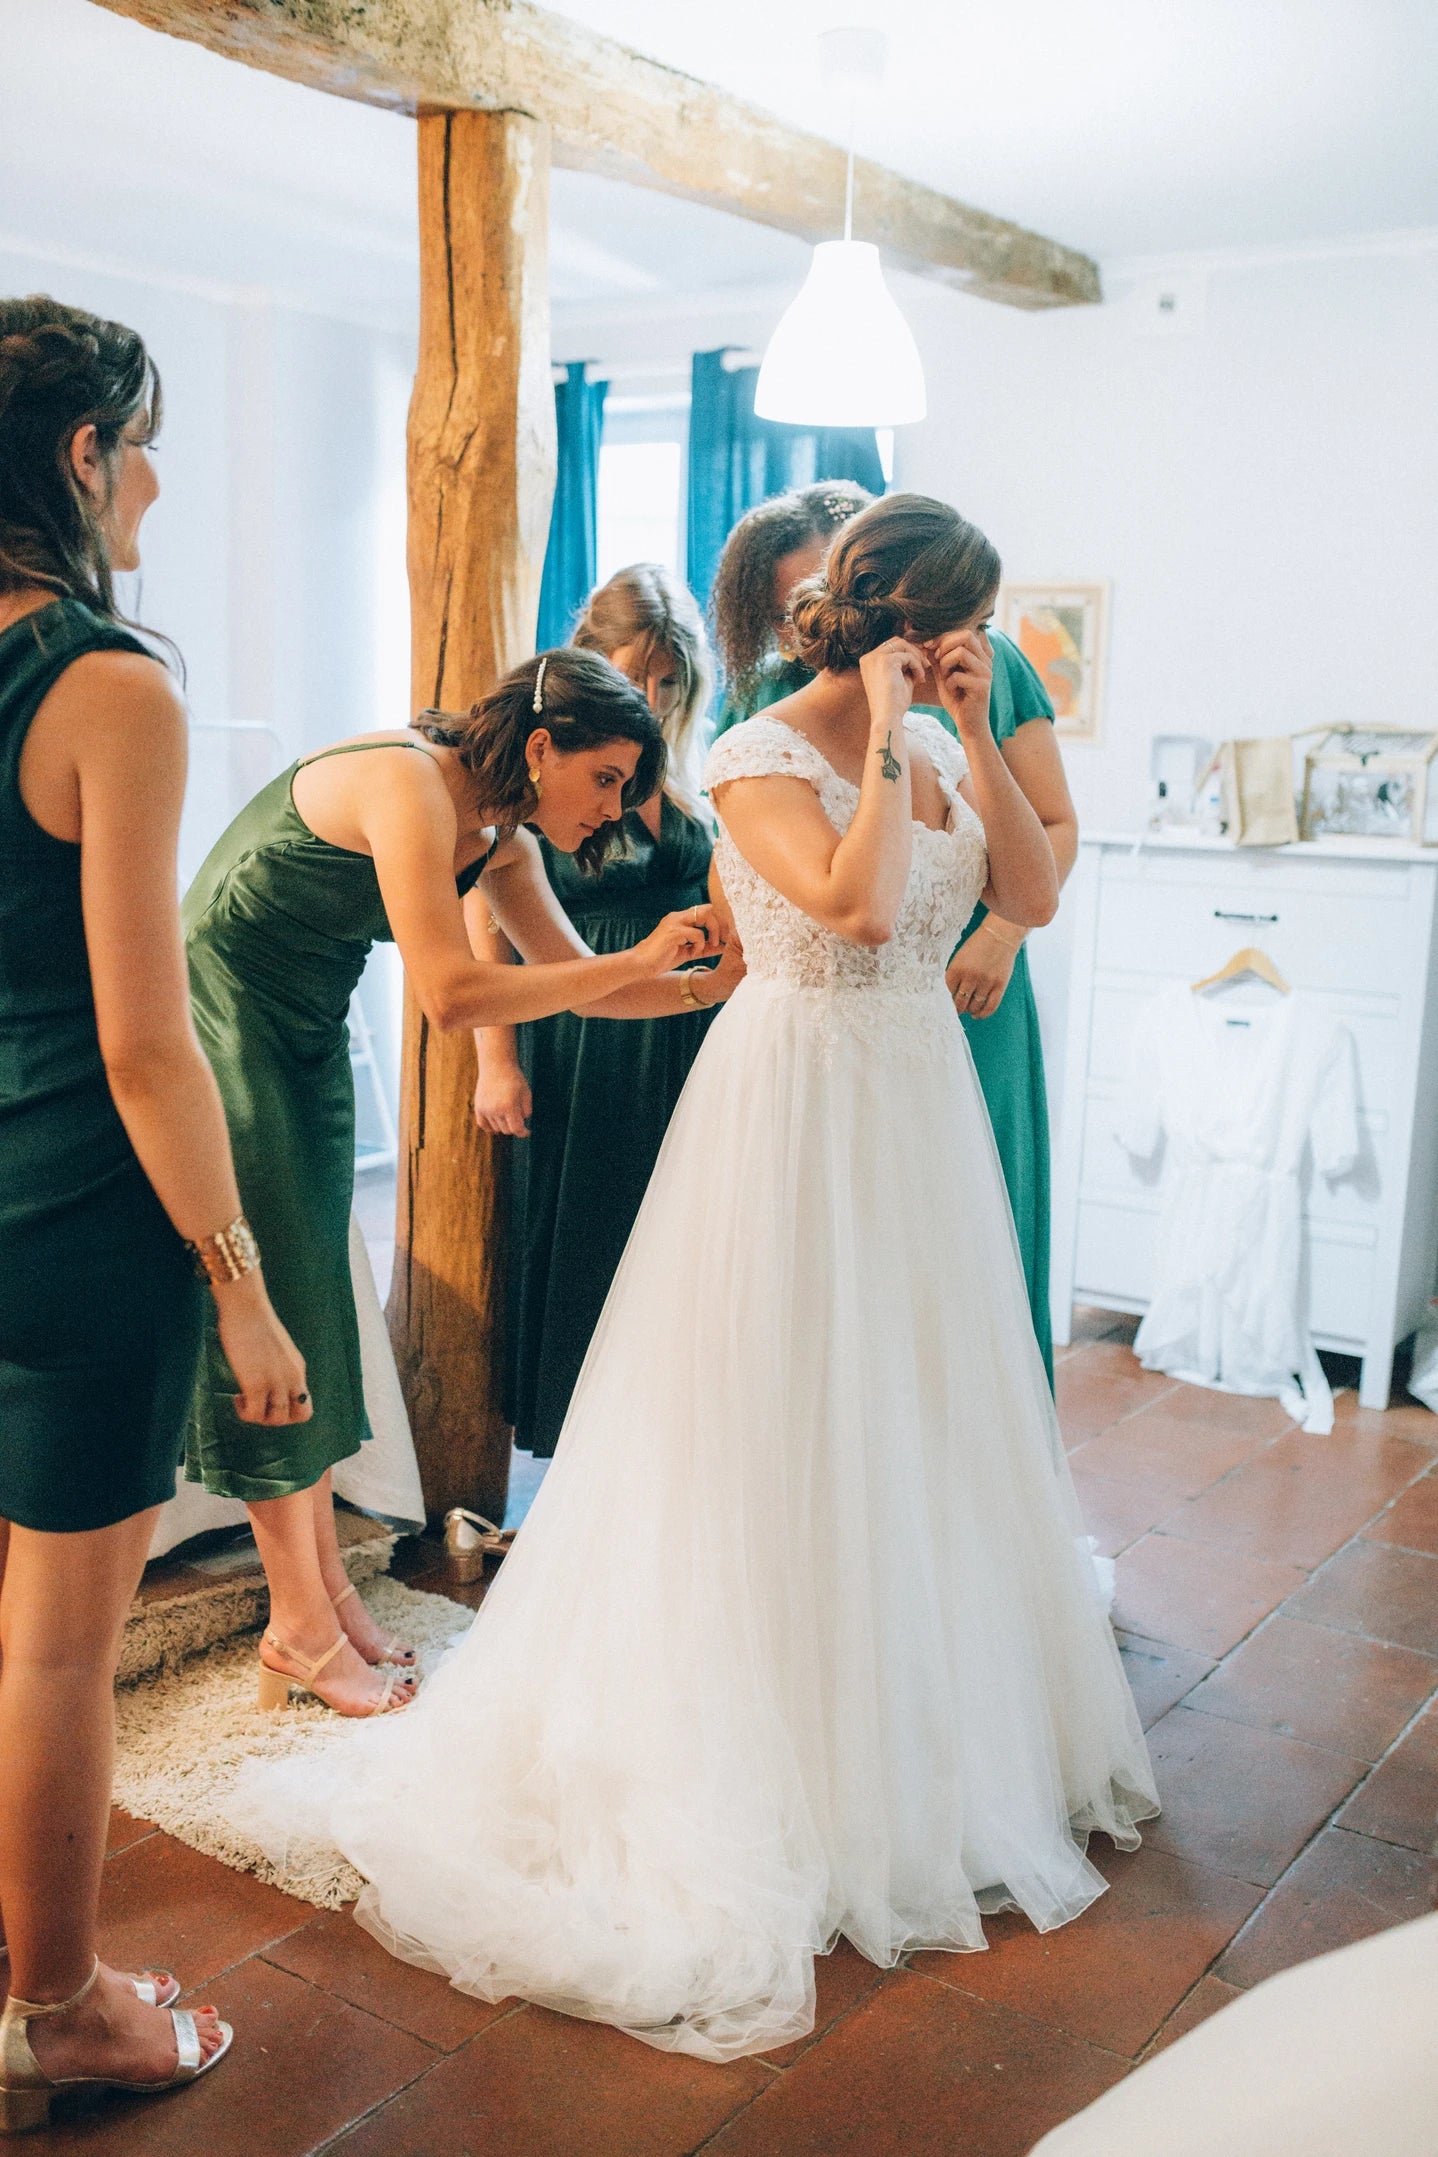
[{"x": 184, "y": 1734}]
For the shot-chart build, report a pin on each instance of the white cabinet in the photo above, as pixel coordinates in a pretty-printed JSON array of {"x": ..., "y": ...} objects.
[{"x": 1351, "y": 924}]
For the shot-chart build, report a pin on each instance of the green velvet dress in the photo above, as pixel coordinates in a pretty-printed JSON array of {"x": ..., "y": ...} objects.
[
  {"x": 278, "y": 926},
  {"x": 603, "y": 1091},
  {"x": 100, "y": 1308},
  {"x": 1007, "y": 1051}
]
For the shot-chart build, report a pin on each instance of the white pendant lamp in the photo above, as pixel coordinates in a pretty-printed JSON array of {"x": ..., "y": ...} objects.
[{"x": 843, "y": 355}]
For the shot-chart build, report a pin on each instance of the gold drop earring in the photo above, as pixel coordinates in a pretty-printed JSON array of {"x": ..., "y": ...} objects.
[{"x": 534, "y": 780}]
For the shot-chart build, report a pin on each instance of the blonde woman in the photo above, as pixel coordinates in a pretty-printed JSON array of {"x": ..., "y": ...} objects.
[{"x": 592, "y": 1097}]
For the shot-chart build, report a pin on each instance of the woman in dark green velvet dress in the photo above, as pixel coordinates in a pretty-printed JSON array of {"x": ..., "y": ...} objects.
[
  {"x": 768, "y": 552},
  {"x": 591, "y": 1098}
]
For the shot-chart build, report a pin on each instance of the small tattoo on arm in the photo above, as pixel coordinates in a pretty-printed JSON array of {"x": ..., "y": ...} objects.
[{"x": 889, "y": 764}]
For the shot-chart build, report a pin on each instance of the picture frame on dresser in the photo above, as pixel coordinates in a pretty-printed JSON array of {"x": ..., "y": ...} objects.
[{"x": 1353, "y": 923}]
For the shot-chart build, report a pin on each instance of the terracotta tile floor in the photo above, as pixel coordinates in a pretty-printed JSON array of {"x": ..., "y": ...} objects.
[{"x": 1278, "y": 1609}]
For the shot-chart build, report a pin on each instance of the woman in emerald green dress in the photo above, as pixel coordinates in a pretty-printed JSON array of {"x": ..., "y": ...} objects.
[
  {"x": 767, "y": 554},
  {"x": 593, "y": 1099},
  {"x": 381, "y": 837}
]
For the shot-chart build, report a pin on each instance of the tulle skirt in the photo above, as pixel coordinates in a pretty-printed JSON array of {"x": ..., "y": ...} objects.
[{"x": 800, "y": 1637}]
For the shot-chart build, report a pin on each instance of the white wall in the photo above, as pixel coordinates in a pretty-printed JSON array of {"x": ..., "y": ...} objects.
[
  {"x": 1255, "y": 475},
  {"x": 1261, "y": 488},
  {"x": 1259, "y": 485},
  {"x": 275, "y": 555}
]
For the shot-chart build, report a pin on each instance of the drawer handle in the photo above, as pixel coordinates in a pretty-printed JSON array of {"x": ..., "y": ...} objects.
[{"x": 1220, "y": 914}]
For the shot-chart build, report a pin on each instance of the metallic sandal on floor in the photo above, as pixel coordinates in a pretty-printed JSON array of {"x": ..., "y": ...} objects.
[
  {"x": 394, "y": 1650},
  {"x": 276, "y": 1686},
  {"x": 468, "y": 1540},
  {"x": 26, "y": 2091},
  {"x": 147, "y": 1991}
]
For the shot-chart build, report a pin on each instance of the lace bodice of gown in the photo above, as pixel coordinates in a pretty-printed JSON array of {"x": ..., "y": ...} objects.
[{"x": 783, "y": 944}]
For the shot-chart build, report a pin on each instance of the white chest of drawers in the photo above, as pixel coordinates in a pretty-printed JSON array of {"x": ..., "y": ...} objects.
[{"x": 1351, "y": 924}]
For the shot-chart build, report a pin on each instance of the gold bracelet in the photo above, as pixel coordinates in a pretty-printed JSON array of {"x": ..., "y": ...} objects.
[
  {"x": 226, "y": 1255},
  {"x": 688, "y": 994},
  {"x": 1001, "y": 941}
]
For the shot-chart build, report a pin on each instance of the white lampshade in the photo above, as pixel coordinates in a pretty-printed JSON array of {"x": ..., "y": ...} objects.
[{"x": 843, "y": 355}]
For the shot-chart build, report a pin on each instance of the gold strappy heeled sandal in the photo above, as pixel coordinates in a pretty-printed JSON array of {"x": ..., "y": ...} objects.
[
  {"x": 26, "y": 2091},
  {"x": 147, "y": 1992},
  {"x": 276, "y": 1686},
  {"x": 394, "y": 1650},
  {"x": 468, "y": 1540}
]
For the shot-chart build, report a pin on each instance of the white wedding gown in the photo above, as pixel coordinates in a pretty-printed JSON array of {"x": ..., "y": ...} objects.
[{"x": 799, "y": 1638}]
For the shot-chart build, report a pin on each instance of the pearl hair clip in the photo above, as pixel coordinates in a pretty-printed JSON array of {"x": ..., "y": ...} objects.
[{"x": 539, "y": 684}]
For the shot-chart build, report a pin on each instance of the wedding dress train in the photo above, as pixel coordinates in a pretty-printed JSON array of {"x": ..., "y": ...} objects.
[{"x": 799, "y": 1638}]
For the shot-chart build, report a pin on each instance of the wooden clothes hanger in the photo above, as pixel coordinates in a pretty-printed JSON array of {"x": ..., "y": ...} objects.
[{"x": 1248, "y": 961}]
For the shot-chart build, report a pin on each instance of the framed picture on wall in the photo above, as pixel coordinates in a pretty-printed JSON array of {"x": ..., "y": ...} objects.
[{"x": 1060, "y": 628}]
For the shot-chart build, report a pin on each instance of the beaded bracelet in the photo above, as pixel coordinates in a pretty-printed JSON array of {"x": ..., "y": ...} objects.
[{"x": 226, "y": 1255}]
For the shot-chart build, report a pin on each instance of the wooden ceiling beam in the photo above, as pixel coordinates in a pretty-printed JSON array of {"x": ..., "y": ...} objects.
[{"x": 616, "y": 113}]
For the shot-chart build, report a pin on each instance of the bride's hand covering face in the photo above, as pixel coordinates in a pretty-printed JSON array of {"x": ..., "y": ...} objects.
[
  {"x": 893, "y": 674},
  {"x": 963, "y": 668}
]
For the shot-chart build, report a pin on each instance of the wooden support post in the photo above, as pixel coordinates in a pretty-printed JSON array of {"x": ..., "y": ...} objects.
[{"x": 481, "y": 479}]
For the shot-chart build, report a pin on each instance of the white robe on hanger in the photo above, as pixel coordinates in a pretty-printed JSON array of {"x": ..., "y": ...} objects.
[{"x": 1247, "y": 1097}]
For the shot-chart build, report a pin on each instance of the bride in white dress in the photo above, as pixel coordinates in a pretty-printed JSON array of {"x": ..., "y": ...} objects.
[{"x": 800, "y": 1637}]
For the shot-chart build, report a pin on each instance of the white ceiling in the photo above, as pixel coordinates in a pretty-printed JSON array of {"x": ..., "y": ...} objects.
[{"x": 1122, "y": 126}]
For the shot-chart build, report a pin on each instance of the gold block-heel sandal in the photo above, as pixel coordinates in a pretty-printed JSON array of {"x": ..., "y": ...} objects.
[
  {"x": 394, "y": 1650},
  {"x": 468, "y": 1540},
  {"x": 276, "y": 1686},
  {"x": 27, "y": 2092}
]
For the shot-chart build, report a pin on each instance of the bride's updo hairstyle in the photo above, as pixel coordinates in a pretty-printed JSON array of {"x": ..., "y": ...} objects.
[
  {"x": 584, "y": 703},
  {"x": 907, "y": 562}
]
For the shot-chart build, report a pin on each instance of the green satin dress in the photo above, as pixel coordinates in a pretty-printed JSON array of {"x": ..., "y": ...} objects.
[
  {"x": 278, "y": 926},
  {"x": 603, "y": 1091},
  {"x": 100, "y": 1308},
  {"x": 1007, "y": 1051}
]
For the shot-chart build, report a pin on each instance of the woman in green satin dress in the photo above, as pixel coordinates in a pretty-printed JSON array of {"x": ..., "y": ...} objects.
[
  {"x": 381, "y": 837},
  {"x": 593, "y": 1099},
  {"x": 768, "y": 553}
]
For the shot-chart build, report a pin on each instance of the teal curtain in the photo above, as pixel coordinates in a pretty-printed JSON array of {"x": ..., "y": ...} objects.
[
  {"x": 571, "y": 558},
  {"x": 736, "y": 460}
]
